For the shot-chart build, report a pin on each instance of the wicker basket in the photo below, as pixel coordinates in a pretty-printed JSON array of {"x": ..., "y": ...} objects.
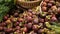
[{"x": 28, "y": 4}]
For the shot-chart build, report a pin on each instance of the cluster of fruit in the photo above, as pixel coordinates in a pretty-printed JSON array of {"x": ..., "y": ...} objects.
[{"x": 32, "y": 21}]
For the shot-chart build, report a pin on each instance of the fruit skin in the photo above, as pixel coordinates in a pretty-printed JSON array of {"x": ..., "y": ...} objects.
[
  {"x": 29, "y": 25},
  {"x": 8, "y": 30},
  {"x": 54, "y": 8},
  {"x": 44, "y": 8},
  {"x": 49, "y": 4},
  {"x": 8, "y": 21},
  {"x": 44, "y": 4},
  {"x": 5, "y": 17},
  {"x": 30, "y": 14},
  {"x": 35, "y": 27},
  {"x": 29, "y": 18},
  {"x": 18, "y": 27},
  {"x": 53, "y": 18},
  {"x": 1, "y": 28},
  {"x": 29, "y": 10},
  {"x": 42, "y": 20},
  {"x": 36, "y": 21},
  {"x": 3, "y": 24},
  {"x": 13, "y": 19},
  {"x": 52, "y": 1},
  {"x": 58, "y": 10},
  {"x": 20, "y": 19},
  {"x": 40, "y": 31},
  {"x": 46, "y": 0},
  {"x": 15, "y": 14},
  {"x": 25, "y": 29}
]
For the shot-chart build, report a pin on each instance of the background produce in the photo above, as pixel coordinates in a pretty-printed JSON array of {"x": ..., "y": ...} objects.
[{"x": 14, "y": 20}]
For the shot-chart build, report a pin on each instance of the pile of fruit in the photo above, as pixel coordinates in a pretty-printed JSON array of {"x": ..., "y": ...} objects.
[{"x": 31, "y": 21}]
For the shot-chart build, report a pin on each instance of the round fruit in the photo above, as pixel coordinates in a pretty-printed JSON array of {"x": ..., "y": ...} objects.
[
  {"x": 18, "y": 27},
  {"x": 25, "y": 29},
  {"x": 46, "y": 0},
  {"x": 35, "y": 21},
  {"x": 44, "y": 8},
  {"x": 49, "y": 4},
  {"x": 29, "y": 18},
  {"x": 54, "y": 8},
  {"x": 35, "y": 27},
  {"x": 1, "y": 28},
  {"x": 8, "y": 21},
  {"x": 29, "y": 10},
  {"x": 15, "y": 14},
  {"x": 20, "y": 19},
  {"x": 29, "y": 25},
  {"x": 44, "y": 4},
  {"x": 5, "y": 17}
]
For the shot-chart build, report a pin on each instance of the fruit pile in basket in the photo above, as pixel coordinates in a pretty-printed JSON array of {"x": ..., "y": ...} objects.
[{"x": 31, "y": 21}]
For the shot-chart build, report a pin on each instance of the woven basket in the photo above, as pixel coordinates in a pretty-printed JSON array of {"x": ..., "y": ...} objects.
[{"x": 28, "y": 4}]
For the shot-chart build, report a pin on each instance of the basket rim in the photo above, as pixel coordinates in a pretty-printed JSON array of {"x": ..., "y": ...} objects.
[{"x": 28, "y": 1}]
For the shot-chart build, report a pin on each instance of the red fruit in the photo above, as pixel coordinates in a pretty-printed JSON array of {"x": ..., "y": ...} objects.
[
  {"x": 46, "y": 19},
  {"x": 20, "y": 19},
  {"x": 0, "y": 24},
  {"x": 25, "y": 25},
  {"x": 8, "y": 21},
  {"x": 17, "y": 23},
  {"x": 35, "y": 27},
  {"x": 36, "y": 21},
  {"x": 33, "y": 13},
  {"x": 5, "y": 28},
  {"x": 13, "y": 19},
  {"x": 3, "y": 24},
  {"x": 53, "y": 8},
  {"x": 53, "y": 15},
  {"x": 15, "y": 14},
  {"x": 3, "y": 33},
  {"x": 44, "y": 8},
  {"x": 52, "y": 1},
  {"x": 40, "y": 31},
  {"x": 11, "y": 33},
  {"x": 46, "y": 0},
  {"x": 58, "y": 10},
  {"x": 33, "y": 16},
  {"x": 25, "y": 29},
  {"x": 30, "y": 14},
  {"x": 1, "y": 28},
  {"x": 53, "y": 18},
  {"x": 50, "y": 11},
  {"x": 49, "y": 4},
  {"x": 29, "y": 25},
  {"x": 29, "y": 18},
  {"x": 29, "y": 10},
  {"x": 18, "y": 27},
  {"x": 9, "y": 30},
  {"x": 42, "y": 20},
  {"x": 44, "y": 4},
  {"x": 5, "y": 17},
  {"x": 17, "y": 31},
  {"x": 32, "y": 33}
]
